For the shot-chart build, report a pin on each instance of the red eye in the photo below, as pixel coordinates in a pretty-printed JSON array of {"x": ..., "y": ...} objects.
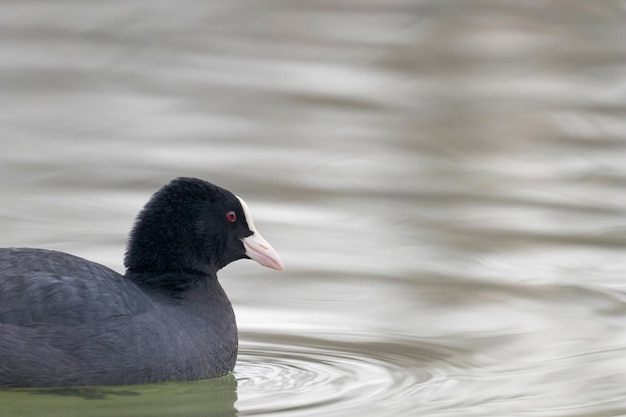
[{"x": 231, "y": 216}]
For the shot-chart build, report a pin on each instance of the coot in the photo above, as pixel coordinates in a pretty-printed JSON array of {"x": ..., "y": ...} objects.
[{"x": 66, "y": 321}]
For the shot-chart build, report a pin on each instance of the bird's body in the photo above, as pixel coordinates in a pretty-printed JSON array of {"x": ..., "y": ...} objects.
[{"x": 68, "y": 321}]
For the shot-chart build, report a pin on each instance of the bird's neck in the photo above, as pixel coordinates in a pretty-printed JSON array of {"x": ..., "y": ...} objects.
[{"x": 174, "y": 283}]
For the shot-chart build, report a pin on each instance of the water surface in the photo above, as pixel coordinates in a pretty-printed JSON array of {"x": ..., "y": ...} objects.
[{"x": 444, "y": 180}]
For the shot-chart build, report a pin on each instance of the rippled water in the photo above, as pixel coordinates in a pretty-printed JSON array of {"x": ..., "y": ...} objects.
[{"x": 444, "y": 180}]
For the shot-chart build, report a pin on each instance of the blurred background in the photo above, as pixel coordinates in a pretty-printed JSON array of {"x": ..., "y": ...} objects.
[{"x": 445, "y": 182}]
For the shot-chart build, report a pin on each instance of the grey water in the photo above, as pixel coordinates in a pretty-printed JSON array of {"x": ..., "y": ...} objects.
[{"x": 445, "y": 182}]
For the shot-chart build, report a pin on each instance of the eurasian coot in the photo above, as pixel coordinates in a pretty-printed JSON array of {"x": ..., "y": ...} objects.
[{"x": 68, "y": 321}]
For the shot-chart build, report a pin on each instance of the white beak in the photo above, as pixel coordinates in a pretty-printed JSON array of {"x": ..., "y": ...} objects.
[{"x": 257, "y": 248}]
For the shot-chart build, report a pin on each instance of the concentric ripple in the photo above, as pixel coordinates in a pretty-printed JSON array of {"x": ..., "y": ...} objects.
[{"x": 278, "y": 373}]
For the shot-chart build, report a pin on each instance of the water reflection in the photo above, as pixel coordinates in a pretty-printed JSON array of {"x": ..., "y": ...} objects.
[{"x": 214, "y": 398}]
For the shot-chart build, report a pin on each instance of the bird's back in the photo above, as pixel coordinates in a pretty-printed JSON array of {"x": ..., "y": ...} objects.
[{"x": 42, "y": 286}]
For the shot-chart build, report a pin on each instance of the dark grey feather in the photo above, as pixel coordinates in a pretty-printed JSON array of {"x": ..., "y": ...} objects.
[{"x": 68, "y": 321}]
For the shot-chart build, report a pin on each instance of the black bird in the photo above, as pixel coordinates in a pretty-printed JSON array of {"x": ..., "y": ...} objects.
[{"x": 66, "y": 321}]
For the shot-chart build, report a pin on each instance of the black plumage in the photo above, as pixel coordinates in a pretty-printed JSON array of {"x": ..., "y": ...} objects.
[{"x": 68, "y": 321}]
